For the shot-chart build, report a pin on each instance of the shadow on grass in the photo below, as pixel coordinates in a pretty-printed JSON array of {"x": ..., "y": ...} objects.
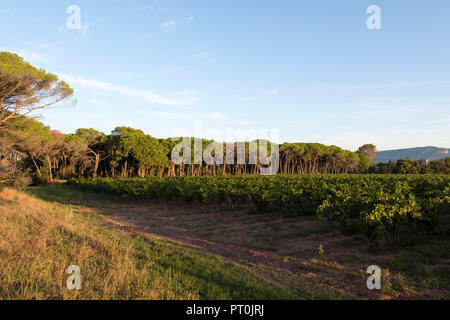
[
  {"x": 71, "y": 195},
  {"x": 184, "y": 270}
]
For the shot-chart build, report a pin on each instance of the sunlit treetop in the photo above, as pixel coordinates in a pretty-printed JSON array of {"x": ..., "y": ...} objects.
[{"x": 25, "y": 88}]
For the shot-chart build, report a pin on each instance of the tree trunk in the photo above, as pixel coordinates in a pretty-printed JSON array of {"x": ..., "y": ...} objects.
[
  {"x": 49, "y": 168},
  {"x": 97, "y": 162},
  {"x": 37, "y": 167}
]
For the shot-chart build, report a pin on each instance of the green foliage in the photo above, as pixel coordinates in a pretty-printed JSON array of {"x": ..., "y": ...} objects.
[
  {"x": 40, "y": 179},
  {"x": 379, "y": 203},
  {"x": 438, "y": 166},
  {"x": 317, "y": 158},
  {"x": 13, "y": 65},
  {"x": 91, "y": 136},
  {"x": 369, "y": 150},
  {"x": 134, "y": 149},
  {"x": 364, "y": 162},
  {"x": 24, "y": 88},
  {"x": 407, "y": 166}
]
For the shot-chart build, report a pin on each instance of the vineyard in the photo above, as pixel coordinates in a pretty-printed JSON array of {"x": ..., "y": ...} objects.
[{"x": 372, "y": 205}]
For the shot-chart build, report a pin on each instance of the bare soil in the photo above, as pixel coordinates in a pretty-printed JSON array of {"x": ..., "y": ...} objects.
[{"x": 302, "y": 246}]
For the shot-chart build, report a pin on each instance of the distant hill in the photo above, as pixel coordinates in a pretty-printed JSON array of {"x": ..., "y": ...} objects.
[{"x": 423, "y": 153}]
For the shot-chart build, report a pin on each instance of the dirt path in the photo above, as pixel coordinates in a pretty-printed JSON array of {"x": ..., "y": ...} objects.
[
  {"x": 291, "y": 251},
  {"x": 304, "y": 247}
]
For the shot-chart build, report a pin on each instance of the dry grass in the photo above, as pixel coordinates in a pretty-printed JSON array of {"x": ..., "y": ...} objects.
[
  {"x": 39, "y": 240},
  {"x": 147, "y": 250}
]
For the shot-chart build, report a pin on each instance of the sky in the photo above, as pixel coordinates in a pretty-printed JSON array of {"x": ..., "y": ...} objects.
[{"x": 312, "y": 70}]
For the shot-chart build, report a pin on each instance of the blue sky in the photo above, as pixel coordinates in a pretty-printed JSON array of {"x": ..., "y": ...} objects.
[{"x": 311, "y": 69}]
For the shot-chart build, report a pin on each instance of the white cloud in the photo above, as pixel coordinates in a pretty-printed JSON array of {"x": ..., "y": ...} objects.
[
  {"x": 34, "y": 57},
  {"x": 442, "y": 121},
  {"x": 168, "y": 25},
  {"x": 186, "y": 97},
  {"x": 374, "y": 86},
  {"x": 167, "y": 115},
  {"x": 61, "y": 29},
  {"x": 172, "y": 24},
  {"x": 204, "y": 57},
  {"x": 227, "y": 119},
  {"x": 100, "y": 103},
  {"x": 274, "y": 92},
  {"x": 250, "y": 98},
  {"x": 208, "y": 116},
  {"x": 243, "y": 122},
  {"x": 214, "y": 115},
  {"x": 83, "y": 30},
  {"x": 30, "y": 56},
  {"x": 146, "y": 8}
]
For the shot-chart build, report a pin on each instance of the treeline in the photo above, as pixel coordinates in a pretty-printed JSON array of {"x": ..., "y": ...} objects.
[
  {"x": 44, "y": 154},
  {"x": 31, "y": 150},
  {"x": 30, "y": 147},
  {"x": 408, "y": 166}
]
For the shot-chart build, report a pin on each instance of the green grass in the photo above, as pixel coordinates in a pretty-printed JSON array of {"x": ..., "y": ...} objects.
[
  {"x": 52, "y": 234},
  {"x": 41, "y": 238},
  {"x": 58, "y": 192}
]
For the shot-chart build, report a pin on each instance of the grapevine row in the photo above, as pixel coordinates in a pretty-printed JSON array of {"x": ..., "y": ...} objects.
[{"x": 377, "y": 203}]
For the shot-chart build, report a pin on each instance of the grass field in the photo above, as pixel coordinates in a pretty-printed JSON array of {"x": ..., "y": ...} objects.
[
  {"x": 41, "y": 238},
  {"x": 176, "y": 250}
]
